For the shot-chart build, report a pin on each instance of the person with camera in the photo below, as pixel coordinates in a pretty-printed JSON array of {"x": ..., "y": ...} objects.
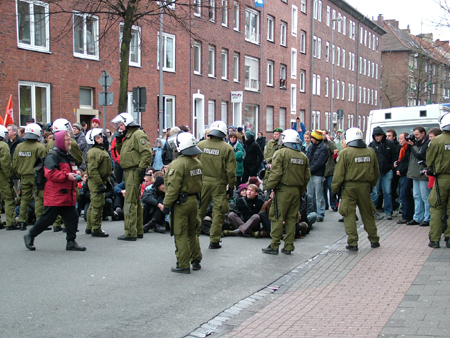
[
  {"x": 271, "y": 146},
  {"x": 419, "y": 144},
  {"x": 385, "y": 150},
  {"x": 438, "y": 160},
  {"x": 401, "y": 169}
]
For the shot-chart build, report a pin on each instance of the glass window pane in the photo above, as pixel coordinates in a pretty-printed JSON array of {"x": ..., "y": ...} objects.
[
  {"x": 169, "y": 112},
  {"x": 41, "y": 104},
  {"x": 169, "y": 53},
  {"x": 85, "y": 97},
  {"x": 24, "y": 22},
  {"x": 78, "y": 34},
  {"x": 90, "y": 36},
  {"x": 25, "y": 104},
  {"x": 40, "y": 37},
  {"x": 134, "y": 47}
]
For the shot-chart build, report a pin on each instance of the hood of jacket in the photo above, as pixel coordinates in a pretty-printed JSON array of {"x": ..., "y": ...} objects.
[{"x": 378, "y": 131}]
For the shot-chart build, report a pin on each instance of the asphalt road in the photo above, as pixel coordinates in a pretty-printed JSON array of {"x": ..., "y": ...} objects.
[{"x": 126, "y": 289}]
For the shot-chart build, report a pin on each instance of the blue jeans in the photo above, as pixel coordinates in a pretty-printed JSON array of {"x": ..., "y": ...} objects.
[
  {"x": 406, "y": 185},
  {"x": 315, "y": 189},
  {"x": 421, "y": 205},
  {"x": 384, "y": 182},
  {"x": 326, "y": 189}
]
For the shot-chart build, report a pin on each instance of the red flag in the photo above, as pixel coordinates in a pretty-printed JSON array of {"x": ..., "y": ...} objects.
[{"x": 9, "y": 113}]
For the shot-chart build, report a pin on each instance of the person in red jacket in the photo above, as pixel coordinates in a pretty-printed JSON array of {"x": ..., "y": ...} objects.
[{"x": 59, "y": 193}]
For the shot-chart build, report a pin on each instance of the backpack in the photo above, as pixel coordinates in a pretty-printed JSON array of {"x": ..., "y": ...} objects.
[{"x": 39, "y": 173}]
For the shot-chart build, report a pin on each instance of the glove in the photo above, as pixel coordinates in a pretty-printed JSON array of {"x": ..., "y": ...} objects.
[
  {"x": 430, "y": 172},
  {"x": 230, "y": 192},
  {"x": 119, "y": 138},
  {"x": 101, "y": 188},
  {"x": 109, "y": 186},
  {"x": 166, "y": 211},
  {"x": 11, "y": 182},
  {"x": 141, "y": 175}
]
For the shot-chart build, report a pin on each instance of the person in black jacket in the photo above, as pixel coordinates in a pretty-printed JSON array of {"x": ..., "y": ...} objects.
[
  {"x": 153, "y": 206},
  {"x": 385, "y": 150},
  {"x": 406, "y": 184},
  {"x": 318, "y": 157},
  {"x": 253, "y": 156},
  {"x": 391, "y": 135},
  {"x": 261, "y": 140}
]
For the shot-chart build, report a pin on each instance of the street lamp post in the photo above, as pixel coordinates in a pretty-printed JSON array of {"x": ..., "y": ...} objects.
[{"x": 338, "y": 19}]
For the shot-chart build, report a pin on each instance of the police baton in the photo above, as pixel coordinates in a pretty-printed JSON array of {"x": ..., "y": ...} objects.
[
  {"x": 275, "y": 202},
  {"x": 436, "y": 184}
]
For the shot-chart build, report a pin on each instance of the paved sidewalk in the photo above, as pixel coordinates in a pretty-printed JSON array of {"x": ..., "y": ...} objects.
[{"x": 401, "y": 289}]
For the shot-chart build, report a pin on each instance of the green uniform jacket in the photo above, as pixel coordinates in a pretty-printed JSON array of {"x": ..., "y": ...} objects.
[
  {"x": 290, "y": 168},
  {"x": 5, "y": 161},
  {"x": 270, "y": 149},
  {"x": 355, "y": 165},
  {"x": 98, "y": 165},
  {"x": 239, "y": 155},
  {"x": 218, "y": 161},
  {"x": 329, "y": 167},
  {"x": 135, "y": 150},
  {"x": 184, "y": 174},
  {"x": 75, "y": 151},
  {"x": 438, "y": 153},
  {"x": 26, "y": 155}
]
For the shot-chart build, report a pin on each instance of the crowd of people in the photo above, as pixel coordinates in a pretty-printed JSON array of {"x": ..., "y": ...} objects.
[{"x": 230, "y": 183}]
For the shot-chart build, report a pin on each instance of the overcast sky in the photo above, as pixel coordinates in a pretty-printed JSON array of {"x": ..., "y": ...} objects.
[{"x": 418, "y": 14}]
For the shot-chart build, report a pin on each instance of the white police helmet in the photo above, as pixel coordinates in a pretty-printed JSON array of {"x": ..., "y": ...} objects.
[
  {"x": 61, "y": 124},
  {"x": 32, "y": 132},
  {"x": 124, "y": 118},
  {"x": 92, "y": 134},
  {"x": 3, "y": 132},
  {"x": 218, "y": 129},
  {"x": 444, "y": 122},
  {"x": 290, "y": 138},
  {"x": 354, "y": 138},
  {"x": 187, "y": 144}
]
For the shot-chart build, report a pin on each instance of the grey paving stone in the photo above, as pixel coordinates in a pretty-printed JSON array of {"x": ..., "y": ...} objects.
[{"x": 411, "y": 298}]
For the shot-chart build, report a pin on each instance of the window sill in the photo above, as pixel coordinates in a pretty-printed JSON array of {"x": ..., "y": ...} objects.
[
  {"x": 34, "y": 49},
  {"x": 252, "y": 42},
  {"x": 211, "y": 76},
  {"x": 225, "y": 79},
  {"x": 225, "y": 25},
  {"x": 252, "y": 90},
  {"x": 79, "y": 56},
  {"x": 198, "y": 74}
]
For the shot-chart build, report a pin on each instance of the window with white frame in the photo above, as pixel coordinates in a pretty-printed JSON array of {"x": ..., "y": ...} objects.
[
  {"x": 344, "y": 25},
  {"x": 211, "y": 111},
  {"x": 333, "y": 53},
  {"x": 236, "y": 67},
  {"x": 360, "y": 94},
  {"x": 86, "y": 98},
  {"x": 85, "y": 36},
  {"x": 343, "y": 91},
  {"x": 339, "y": 23},
  {"x": 373, "y": 70},
  {"x": 236, "y": 16},
  {"x": 365, "y": 37},
  {"x": 327, "y": 86},
  {"x": 168, "y": 51},
  {"x": 302, "y": 80},
  {"x": 365, "y": 66},
  {"x": 328, "y": 16},
  {"x": 34, "y": 101},
  {"x": 319, "y": 48},
  {"x": 314, "y": 79},
  {"x": 269, "y": 119},
  {"x": 224, "y": 64},
  {"x": 360, "y": 65},
  {"x": 343, "y": 58},
  {"x": 313, "y": 120},
  {"x": 332, "y": 88},
  {"x": 33, "y": 27},
  {"x": 212, "y": 10},
  {"x": 353, "y": 61},
  {"x": 135, "y": 45},
  {"x": 197, "y": 7},
  {"x": 361, "y": 35},
  {"x": 282, "y": 123},
  {"x": 376, "y": 71},
  {"x": 368, "y": 68},
  {"x": 349, "y": 92},
  {"x": 251, "y": 25},
  {"x": 130, "y": 108},
  {"x": 197, "y": 57},
  {"x": 376, "y": 97},
  {"x": 333, "y": 17},
  {"x": 327, "y": 51},
  {"x": 315, "y": 11},
  {"x": 303, "y": 6},
  {"x": 370, "y": 41},
  {"x": 283, "y": 72},
  {"x": 319, "y": 11},
  {"x": 211, "y": 61},
  {"x": 270, "y": 73},
  {"x": 225, "y": 13},
  {"x": 293, "y": 63},
  {"x": 224, "y": 112},
  {"x": 364, "y": 95},
  {"x": 338, "y": 56},
  {"x": 314, "y": 46},
  {"x": 251, "y": 74},
  {"x": 318, "y": 119},
  {"x": 318, "y": 85},
  {"x": 270, "y": 28},
  {"x": 338, "y": 89},
  {"x": 294, "y": 20},
  {"x": 293, "y": 98},
  {"x": 168, "y": 111},
  {"x": 303, "y": 42},
  {"x": 283, "y": 32}
]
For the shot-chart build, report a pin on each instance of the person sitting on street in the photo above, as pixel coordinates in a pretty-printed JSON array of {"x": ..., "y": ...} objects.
[
  {"x": 307, "y": 216},
  {"x": 249, "y": 207},
  {"x": 153, "y": 207}
]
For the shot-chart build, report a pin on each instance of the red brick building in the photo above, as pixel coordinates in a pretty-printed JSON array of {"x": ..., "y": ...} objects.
[{"x": 255, "y": 66}]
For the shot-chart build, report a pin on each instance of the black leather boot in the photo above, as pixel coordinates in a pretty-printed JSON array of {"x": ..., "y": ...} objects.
[
  {"x": 29, "y": 242},
  {"x": 73, "y": 246}
]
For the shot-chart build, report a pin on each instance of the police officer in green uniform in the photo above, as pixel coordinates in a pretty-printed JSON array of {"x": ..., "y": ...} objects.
[
  {"x": 438, "y": 162},
  {"x": 183, "y": 183},
  {"x": 219, "y": 170},
  {"x": 135, "y": 156},
  {"x": 356, "y": 173},
  {"x": 271, "y": 146},
  {"x": 59, "y": 125},
  {"x": 98, "y": 169},
  {"x": 7, "y": 181},
  {"x": 24, "y": 159},
  {"x": 289, "y": 177}
]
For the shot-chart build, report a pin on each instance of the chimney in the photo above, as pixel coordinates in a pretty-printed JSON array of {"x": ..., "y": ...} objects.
[{"x": 380, "y": 20}]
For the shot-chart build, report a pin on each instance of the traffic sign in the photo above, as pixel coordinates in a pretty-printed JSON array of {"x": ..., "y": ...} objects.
[{"x": 105, "y": 80}]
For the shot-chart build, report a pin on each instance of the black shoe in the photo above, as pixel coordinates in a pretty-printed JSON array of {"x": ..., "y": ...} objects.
[
  {"x": 65, "y": 230},
  {"x": 286, "y": 252},
  {"x": 105, "y": 219},
  {"x": 160, "y": 229},
  {"x": 334, "y": 209},
  {"x": 270, "y": 251},
  {"x": 213, "y": 245},
  {"x": 147, "y": 227},
  {"x": 100, "y": 234},
  {"x": 319, "y": 219},
  {"x": 29, "y": 242},
  {"x": 23, "y": 226},
  {"x": 352, "y": 247},
  {"x": 88, "y": 231},
  {"x": 341, "y": 220},
  {"x": 402, "y": 221},
  {"x": 425, "y": 224},
  {"x": 389, "y": 218},
  {"x": 126, "y": 238},
  {"x": 181, "y": 270},
  {"x": 57, "y": 229},
  {"x": 48, "y": 228},
  {"x": 375, "y": 245},
  {"x": 1, "y": 225},
  {"x": 73, "y": 246},
  {"x": 434, "y": 245},
  {"x": 196, "y": 265},
  {"x": 447, "y": 243},
  {"x": 140, "y": 236},
  {"x": 12, "y": 227},
  {"x": 412, "y": 222}
]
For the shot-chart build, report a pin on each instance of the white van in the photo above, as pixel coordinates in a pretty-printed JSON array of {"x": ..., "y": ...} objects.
[{"x": 405, "y": 118}]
